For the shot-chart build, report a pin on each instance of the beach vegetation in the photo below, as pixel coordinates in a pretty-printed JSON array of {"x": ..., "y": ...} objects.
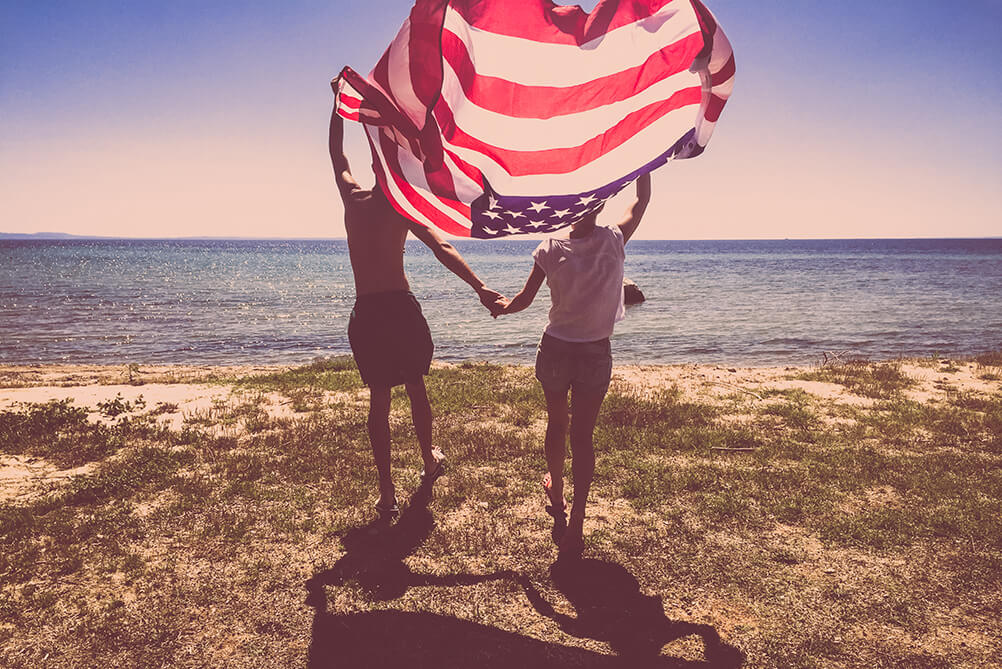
[
  {"x": 875, "y": 380},
  {"x": 335, "y": 374},
  {"x": 117, "y": 406},
  {"x": 989, "y": 366},
  {"x": 857, "y": 529}
]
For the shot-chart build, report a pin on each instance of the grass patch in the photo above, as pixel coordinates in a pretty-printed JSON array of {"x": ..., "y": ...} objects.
[
  {"x": 879, "y": 381},
  {"x": 870, "y": 540},
  {"x": 335, "y": 374}
]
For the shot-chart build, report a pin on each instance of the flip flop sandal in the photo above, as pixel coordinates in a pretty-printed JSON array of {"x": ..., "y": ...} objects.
[
  {"x": 551, "y": 508},
  {"x": 390, "y": 510},
  {"x": 559, "y": 515},
  {"x": 428, "y": 479}
]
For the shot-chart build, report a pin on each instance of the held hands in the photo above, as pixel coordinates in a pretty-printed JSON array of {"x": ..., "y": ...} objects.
[{"x": 493, "y": 300}]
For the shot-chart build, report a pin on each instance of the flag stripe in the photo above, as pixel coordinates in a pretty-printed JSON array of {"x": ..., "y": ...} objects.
[
  {"x": 724, "y": 74},
  {"x": 403, "y": 189},
  {"x": 548, "y": 23},
  {"x": 714, "y": 108},
  {"x": 516, "y": 99},
  {"x": 563, "y": 160},
  {"x": 641, "y": 148},
  {"x": 528, "y": 134},
  {"x": 539, "y": 64},
  {"x": 492, "y": 117}
]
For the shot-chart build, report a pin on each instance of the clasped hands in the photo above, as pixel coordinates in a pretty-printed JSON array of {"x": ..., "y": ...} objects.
[{"x": 493, "y": 300}]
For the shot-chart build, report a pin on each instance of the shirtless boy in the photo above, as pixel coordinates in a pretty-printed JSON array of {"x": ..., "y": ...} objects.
[{"x": 388, "y": 334}]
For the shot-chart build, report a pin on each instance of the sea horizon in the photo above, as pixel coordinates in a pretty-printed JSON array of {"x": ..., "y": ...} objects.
[
  {"x": 757, "y": 302},
  {"x": 71, "y": 236}
]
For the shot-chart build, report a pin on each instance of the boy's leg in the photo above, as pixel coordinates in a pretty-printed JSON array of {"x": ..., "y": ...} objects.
[
  {"x": 555, "y": 446},
  {"x": 421, "y": 416},
  {"x": 379, "y": 439},
  {"x": 584, "y": 413}
]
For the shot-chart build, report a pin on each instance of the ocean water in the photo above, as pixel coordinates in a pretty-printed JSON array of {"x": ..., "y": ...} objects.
[{"x": 731, "y": 302}]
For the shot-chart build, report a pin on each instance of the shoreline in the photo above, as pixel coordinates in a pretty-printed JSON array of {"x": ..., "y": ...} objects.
[{"x": 13, "y": 376}]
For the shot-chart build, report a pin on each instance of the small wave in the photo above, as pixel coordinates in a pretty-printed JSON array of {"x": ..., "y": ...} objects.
[{"x": 790, "y": 341}]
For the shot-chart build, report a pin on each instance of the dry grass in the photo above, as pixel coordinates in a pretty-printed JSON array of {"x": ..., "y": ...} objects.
[{"x": 861, "y": 530}]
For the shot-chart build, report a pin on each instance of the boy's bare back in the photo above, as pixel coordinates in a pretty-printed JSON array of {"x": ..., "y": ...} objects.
[{"x": 376, "y": 234}]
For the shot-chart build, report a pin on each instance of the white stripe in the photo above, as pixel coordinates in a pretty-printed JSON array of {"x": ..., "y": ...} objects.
[
  {"x": 721, "y": 51},
  {"x": 412, "y": 170},
  {"x": 530, "y": 134},
  {"x": 467, "y": 190},
  {"x": 348, "y": 104},
  {"x": 343, "y": 89},
  {"x": 724, "y": 89},
  {"x": 704, "y": 132},
  {"x": 399, "y": 76},
  {"x": 533, "y": 63},
  {"x": 627, "y": 157}
]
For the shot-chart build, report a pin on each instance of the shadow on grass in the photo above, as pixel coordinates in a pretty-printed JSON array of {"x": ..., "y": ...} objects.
[
  {"x": 375, "y": 558},
  {"x": 611, "y": 608},
  {"x": 418, "y": 640},
  {"x": 607, "y": 598}
]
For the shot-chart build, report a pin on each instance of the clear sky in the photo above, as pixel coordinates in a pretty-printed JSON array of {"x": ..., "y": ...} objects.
[{"x": 167, "y": 118}]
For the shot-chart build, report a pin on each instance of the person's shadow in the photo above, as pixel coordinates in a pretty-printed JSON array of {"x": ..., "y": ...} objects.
[
  {"x": 375, "y": 639},
  {"x": 610, "y": 607},
  {"x": 375, "y": 553}
]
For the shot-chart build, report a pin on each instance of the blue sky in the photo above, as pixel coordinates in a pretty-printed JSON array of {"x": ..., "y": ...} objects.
[{"x": 155, "y": 118}]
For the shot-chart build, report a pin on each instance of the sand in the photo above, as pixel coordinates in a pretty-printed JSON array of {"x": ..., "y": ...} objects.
[{"x": 185, "y": 392}]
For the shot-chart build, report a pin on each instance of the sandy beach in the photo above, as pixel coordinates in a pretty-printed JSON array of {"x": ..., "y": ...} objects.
[
  {"x": 842, "y": 514},
  {"x": 191, "y": 390}
]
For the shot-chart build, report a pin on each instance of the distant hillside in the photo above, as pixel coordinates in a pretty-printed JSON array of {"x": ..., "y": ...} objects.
[{"x": 43, "y": 235}]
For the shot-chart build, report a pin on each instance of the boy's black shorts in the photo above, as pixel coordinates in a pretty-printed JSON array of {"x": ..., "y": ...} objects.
[{"x": 389, "y": 338}]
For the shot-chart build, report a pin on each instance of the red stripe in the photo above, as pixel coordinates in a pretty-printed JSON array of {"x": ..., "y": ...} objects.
[
  {"x": 425, "y": 207},
  {"x": 706, "y": 20},
  {"x": 349, "y": 102},
  {"x": 724, "y": 73},
  {"x": 348, "y": 115},
  {"x": 513, "y": 99},
  {"x": 450, "y": 199},
  {"x": 542, "y": 21},
  {"x": 469, "y": 170},
  {"x": 714, "y": 107},
  {"x": 564, "y": 160},
  {"x": 374, "y": 99},
  {"x": 424, "y": 50},
  {"x": 440, "y": 182}
]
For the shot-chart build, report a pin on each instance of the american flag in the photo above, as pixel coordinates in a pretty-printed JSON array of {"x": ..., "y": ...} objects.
[{"x": 489, "y": 118}]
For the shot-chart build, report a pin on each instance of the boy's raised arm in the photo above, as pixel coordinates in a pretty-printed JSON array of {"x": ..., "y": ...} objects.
[
  {"x": 447, "y": 254},
  {"x": 342, "y": 171}
]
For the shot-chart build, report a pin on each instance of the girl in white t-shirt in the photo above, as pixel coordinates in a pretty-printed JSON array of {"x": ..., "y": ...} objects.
[{"x": 584, "y": 272}]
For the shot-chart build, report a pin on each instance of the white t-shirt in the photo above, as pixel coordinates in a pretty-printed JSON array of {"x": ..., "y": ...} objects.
[{"x": 585, "y": 276}]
